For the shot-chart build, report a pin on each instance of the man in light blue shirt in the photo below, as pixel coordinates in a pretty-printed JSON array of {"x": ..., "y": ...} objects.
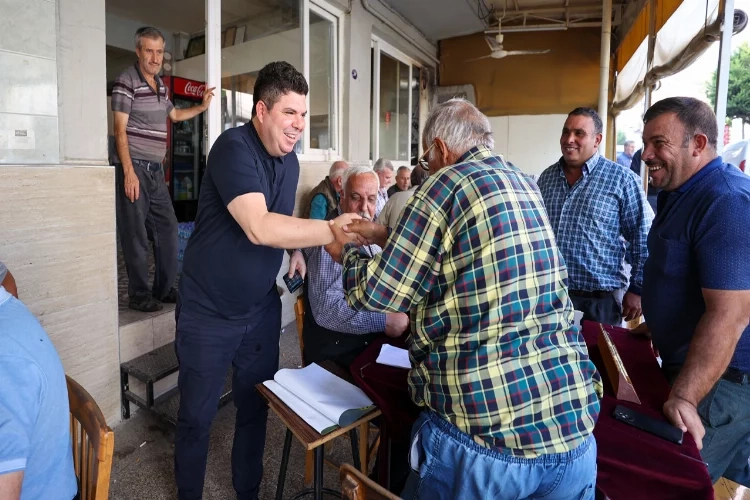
[
  {"x": 626, "y": 157},
  {"x": 595, "y": 207},
  {"x": 36, "y": 457}
]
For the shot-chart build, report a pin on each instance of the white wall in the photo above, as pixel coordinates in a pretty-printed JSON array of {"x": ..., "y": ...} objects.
[
  {"x": 359, "y": 28},
  {"x": 28, "y": 82},
  {"x": 531, "y": 142},
  {"x": 57, "y": 219}
]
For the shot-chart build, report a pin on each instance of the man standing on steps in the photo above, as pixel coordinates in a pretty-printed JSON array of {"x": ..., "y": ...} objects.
[{"x": 140, "y": 105}]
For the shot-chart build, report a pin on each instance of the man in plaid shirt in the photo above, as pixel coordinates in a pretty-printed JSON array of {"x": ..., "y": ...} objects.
[
  {"x": 510, "y": 394},
  {"x": 596, "y": 207}
]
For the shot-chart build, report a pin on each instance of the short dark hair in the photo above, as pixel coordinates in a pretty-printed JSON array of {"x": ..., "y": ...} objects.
[
  {"x": 418, "y": 176},
  {"x": 275, "y": 80},
  {"x": 695, "y": 115},
  {"x": 591, "y": 114},
  {"x": 148, "y": 32}
]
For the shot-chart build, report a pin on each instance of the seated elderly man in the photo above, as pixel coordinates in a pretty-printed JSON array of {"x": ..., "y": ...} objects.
[
  {"x": 403, "y": 181},
  {"x": 333, "y": 330},
  {"x": 396, "y": 203},
  {"x": 509, "y": 393},
  {"x": 384, "y": 169},
  {"x": 36, "y": 461},
  {"x": 325, "y": 196}
]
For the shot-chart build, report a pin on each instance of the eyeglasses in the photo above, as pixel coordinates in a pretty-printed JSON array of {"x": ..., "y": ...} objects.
[{"x": 422, "y": 162}]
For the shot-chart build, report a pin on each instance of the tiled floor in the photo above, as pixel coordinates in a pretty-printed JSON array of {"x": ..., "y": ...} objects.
[{"x": 144, "y": 452}]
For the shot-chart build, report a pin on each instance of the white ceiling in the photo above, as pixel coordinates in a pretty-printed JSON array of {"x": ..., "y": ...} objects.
[
  {"x": 438, "y": 19},
  {"x": 450, "y": 18},
  {"x": 188, "y": 15}
]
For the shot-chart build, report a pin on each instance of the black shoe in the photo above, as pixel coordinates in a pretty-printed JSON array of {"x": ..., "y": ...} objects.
[
  {"x": 171, "y": 297},
  {"x": 145, "y": 305}
]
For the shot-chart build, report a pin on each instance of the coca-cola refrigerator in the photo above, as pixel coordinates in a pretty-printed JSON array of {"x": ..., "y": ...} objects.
[{"x": 186, "y": 146}]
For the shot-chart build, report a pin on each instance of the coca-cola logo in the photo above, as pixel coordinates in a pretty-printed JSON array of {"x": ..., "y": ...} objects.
[{"x": 194, "y": 89}]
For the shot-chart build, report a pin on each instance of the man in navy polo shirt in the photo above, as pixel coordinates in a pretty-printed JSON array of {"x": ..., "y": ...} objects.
[
  {"x": 228, "y": 310},
  {"x": 696, "y": 282}
]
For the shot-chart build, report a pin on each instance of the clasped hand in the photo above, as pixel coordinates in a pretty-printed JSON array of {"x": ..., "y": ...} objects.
[{"x": 351, "y": 228}]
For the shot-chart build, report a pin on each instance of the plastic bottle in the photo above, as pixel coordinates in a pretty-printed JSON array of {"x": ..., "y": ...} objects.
[
  {"x": 177, "y": 188},
  {"x": 188, "y": 188}
]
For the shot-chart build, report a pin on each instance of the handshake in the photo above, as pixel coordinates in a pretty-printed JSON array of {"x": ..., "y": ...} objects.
[{"x": 354, "y": 228}]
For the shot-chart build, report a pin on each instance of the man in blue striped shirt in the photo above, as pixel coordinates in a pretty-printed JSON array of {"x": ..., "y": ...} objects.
[{"x": 595, "y": 207}]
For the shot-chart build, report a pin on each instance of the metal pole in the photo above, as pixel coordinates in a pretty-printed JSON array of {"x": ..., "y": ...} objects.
[
  {"x": 304, "y": 20},
  {"x": 722, "y": 75},
  {"x": 213, "y": 70},
  {"x": 604, "y": 71}
]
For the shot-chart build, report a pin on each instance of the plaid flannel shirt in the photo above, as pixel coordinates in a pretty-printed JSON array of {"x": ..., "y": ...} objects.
[
  {"x": 474, "y": 262},
  {"x": 594, "y": 219}
]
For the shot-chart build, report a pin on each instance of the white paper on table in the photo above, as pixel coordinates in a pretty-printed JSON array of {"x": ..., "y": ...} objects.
[{"x": 394, "y": 356}]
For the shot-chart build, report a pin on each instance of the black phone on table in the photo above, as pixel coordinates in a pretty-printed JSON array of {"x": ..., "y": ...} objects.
[{"x": 659, "y": 428}]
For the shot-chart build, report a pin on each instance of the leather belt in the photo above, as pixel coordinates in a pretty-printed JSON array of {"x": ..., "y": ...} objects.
[
  {"x": 736, "y": 376},
  {"x": 596, "y": 294},
  {"x": 150, "y": 166}
]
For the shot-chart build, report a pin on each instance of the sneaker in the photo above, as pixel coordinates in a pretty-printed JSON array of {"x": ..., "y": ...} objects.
[
  {"x": 171, "y": 297},
  {"x": 145, "y": 305}
]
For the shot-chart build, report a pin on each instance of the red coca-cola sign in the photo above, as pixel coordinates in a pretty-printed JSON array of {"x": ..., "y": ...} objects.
[{"x": 189, "y": 88}]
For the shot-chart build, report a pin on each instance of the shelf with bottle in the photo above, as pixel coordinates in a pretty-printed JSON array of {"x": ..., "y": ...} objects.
[{"x": 184, "y": 186}]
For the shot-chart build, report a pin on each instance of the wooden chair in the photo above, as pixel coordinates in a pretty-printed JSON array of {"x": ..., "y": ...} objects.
[
  {"x": 357, "y": 486},
  {"x": 93, "y": 443}
]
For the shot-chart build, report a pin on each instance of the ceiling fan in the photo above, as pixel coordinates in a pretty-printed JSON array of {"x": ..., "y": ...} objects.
[{"x": 498, "y": 52}]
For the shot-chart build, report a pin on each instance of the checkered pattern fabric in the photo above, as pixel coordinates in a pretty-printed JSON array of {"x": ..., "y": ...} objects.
[
  {"x": 595, "y": 220},
  {"x": 474, "y": 262}
]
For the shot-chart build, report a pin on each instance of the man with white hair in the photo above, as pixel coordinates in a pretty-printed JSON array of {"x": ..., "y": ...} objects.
[
  {"x": 509, "y": 393},
  {"x": 333, "y": 330},
  {"x": 384, "y": 169},
  {"x": 325, "y": 196}
]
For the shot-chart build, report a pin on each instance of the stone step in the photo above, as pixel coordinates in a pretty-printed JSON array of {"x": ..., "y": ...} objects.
[{"x": 154, "y": 365}]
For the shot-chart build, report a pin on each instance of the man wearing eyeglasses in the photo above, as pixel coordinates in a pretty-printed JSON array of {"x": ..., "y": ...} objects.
[
  {"x": 509, "y": 393},
  {"x": 595, "y": 207}
]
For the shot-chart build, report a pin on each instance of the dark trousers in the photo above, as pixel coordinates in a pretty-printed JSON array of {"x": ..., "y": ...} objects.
[
  {"x": 205, "y": 350},
  {"x": 150, "y": 218},
  {"x": 604, "y": 310}
]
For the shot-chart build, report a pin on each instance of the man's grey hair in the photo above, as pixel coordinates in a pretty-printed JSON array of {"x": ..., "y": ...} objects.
[
  {"x": 404, "y": 169},
  {"x": 628, "y": 143},
  {"x": 358, "y": 170},
  {"x": 147, "y": 32},
  {"x": 460, "y": 125},
  {"x": 337, "y": 169},
  {"x": 381, "y": 164}
]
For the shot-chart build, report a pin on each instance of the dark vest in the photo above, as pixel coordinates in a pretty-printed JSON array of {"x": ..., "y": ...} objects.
[{"x": 326, "y": 189}]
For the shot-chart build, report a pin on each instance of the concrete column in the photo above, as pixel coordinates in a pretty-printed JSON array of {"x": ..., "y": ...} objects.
[{"x": 82, "y": 82}]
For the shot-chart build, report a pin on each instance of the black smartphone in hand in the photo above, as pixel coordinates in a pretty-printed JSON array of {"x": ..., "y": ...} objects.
[
  {"x": 293, "y": 283},
  {"x": 659, "y": 428}
]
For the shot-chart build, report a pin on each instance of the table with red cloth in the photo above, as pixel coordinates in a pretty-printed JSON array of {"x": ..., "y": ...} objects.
[{"x": 632, "y": 464}]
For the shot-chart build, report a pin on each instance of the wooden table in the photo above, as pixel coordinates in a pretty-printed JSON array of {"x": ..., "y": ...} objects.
[{"x": 312, "y": 440}]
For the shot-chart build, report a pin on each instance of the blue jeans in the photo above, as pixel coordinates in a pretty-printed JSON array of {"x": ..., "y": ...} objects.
[{"x": 448, "y": 464}]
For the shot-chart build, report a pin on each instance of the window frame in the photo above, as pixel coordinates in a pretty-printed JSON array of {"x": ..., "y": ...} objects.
[
  {"x": 332, "y": 15},
  {"x": 379, "y": 45}
]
